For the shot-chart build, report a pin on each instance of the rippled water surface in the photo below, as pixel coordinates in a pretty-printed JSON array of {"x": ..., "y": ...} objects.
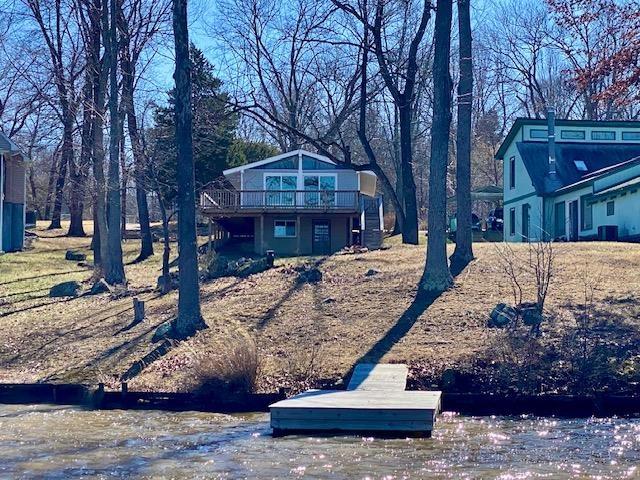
[{"x": 62, "y": 442}]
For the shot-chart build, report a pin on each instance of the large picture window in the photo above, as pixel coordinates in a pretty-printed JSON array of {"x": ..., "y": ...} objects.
[
  {"x": 320, "y": 190},
  {"x": 281, "y": 190}
]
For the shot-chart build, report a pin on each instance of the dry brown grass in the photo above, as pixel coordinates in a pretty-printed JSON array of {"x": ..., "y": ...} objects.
[{"x": 346, "y": 317}]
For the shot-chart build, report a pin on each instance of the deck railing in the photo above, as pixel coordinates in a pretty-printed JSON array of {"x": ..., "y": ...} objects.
[{"x": 234, "y": 200}]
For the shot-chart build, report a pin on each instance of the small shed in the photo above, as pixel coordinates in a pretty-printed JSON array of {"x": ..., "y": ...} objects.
[{"x": 12, "y": 195}]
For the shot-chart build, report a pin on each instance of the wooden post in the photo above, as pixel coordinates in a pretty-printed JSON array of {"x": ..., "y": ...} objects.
[
  {"x": 350, "y": 237},
  {"x": 210, "y": 233},
  {"x": 299, "y": 232},
  {"x": 138, "y": 310},
  {"x": 261, "y": 234}
]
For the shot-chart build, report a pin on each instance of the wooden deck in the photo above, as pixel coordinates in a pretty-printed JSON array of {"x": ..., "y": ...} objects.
[{"x": 374, "y": 403}]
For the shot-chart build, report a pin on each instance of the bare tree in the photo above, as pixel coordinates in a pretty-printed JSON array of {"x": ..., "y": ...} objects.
[
  {"x": 399, "y": 69},
  {"x": 114, "y": 271},
  {"x": 463, "y": 252},
  {"x": 53, "y": 20},
  {"x": 139, "y": 23},
  {"x": 189, "y": 318},
  {"x": 437, "y": 277}
]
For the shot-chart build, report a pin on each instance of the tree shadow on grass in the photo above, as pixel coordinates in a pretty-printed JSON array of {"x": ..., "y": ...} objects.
[
  {"x": 421, "y": 302},
  {"x": 275, "y": 307}
]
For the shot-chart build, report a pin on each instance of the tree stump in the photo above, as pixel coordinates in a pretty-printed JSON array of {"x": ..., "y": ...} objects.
[{"x": 138, "y": 310}]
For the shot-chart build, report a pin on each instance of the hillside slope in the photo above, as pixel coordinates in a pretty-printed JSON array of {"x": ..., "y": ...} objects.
[{"x": 313, "y": 333}]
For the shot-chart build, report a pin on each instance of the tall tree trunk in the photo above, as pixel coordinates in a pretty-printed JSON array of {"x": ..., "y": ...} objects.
[
  {"x": 410, "y": 227},
  {"x": 99, "y": 27},
  {"x": 66, "y": 158},
  {"x": 95, "y": 240},
  {"x": 114, "y": 274},
  {"x": 78, "y": 173},
  {"x": 437, "y": 277},
  {"x": 128, "y": 77},
  {"x": 52, "y": 179},
  {"x": 463, "y": 252},
  {"x": 189, "y": 316},
  {"x": 125, "y": 180}
]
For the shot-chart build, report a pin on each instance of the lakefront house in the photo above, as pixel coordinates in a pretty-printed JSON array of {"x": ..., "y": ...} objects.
[
  {"x": 571, "y": 180},
  {"x": 296, "y": 203},
  {"x": 12, "y": 195}
]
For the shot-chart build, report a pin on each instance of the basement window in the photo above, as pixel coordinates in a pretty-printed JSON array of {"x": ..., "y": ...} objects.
[
  {"x": 580, "y": 165},
  {"x": 284, "y": 228}
]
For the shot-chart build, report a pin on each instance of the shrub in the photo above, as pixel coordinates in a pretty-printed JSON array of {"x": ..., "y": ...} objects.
[{"x": 235, "y": 371}]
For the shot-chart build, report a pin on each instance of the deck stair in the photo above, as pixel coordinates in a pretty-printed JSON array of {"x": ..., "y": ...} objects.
[{"x": 375, "y": 402}]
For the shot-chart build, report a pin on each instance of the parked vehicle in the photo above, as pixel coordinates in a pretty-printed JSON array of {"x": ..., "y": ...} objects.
[{"x": 495, "y": 220}]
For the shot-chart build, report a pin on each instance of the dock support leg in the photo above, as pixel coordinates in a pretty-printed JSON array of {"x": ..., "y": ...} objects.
[{"x": 210, "y": 234}]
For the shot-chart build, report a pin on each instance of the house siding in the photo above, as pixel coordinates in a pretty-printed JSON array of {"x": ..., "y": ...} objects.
[
  {"x": 536, "y": 228},
  {"x": 302, "y": 243},
  {"x": 626, "y": 215}
]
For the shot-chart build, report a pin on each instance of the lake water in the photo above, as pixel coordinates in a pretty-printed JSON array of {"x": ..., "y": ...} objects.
[{"x": 45, "y": 441}]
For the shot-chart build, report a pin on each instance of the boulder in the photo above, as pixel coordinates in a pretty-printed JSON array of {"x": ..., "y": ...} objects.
[
  {"x": 217, "y": 267},
  {"x": 249, "y": 267},
  {"x": 75, "y": 256},
  {"x": 371, "y": 272},
  {"x": 101, "y": 286},
  {"x": 501, "y": 316},
  {"x": 65, "y": 289},
  {"x": 163, "y": 332}
]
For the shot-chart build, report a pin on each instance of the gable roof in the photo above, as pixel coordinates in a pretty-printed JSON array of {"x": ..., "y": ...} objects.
[
  {"x": 599, "y": 158},
  {"x": 7, "y": 145},
  {"x": 275, "y": 158},
  {"x": 522, "y": 121}
]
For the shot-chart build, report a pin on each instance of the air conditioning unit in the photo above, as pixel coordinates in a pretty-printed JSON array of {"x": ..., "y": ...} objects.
[{"x": 608, "y": 233}]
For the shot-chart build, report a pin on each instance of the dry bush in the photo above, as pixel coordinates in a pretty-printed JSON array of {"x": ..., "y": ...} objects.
[
  {"x": 530, "y": 272},
  {"x": 234, "y": 371},
  {"x": 303, "y": 366}
]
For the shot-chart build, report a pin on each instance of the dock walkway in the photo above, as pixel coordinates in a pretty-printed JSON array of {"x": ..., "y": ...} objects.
[{"x": 375, "y": 402}]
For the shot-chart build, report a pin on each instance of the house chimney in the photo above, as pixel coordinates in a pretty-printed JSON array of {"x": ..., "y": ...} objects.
[{"x": 551, "y": 129}]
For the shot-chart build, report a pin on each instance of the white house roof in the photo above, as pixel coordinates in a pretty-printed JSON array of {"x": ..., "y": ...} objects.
[{"x": 275, "y": 158}]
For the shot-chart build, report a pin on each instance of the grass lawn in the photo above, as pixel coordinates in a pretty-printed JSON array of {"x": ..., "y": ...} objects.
[{"x": 312, "y": 334}]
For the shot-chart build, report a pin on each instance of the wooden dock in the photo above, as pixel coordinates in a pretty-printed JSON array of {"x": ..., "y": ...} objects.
[{"x": 375, "y": 402}]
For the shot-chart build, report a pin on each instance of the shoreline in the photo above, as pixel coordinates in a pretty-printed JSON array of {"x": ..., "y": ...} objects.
[{"x": 471, "y": 404}]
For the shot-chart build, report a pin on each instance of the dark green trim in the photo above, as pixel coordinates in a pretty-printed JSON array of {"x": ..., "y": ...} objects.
[
  {"x": 520, "y": 122},
  {"x": 521, "y": 197}
]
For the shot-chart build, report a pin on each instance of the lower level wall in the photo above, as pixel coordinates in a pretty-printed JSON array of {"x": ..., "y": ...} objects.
[
  {"x": 302, "y": 243},
  {"x": 12, "y": 226}
]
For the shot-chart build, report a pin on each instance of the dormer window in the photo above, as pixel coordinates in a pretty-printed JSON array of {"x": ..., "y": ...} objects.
[
  {"x": 572, "y": 134},
  {"x": 538, "y": 133},
  {"x": 580, "y": 165}
]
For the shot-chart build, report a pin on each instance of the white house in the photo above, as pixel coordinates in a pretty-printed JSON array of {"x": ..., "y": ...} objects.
[{"x": 571, "y": 179}]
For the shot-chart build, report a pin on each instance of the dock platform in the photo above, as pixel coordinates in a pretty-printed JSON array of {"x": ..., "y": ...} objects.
[{"x": 375, "y": 403}]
